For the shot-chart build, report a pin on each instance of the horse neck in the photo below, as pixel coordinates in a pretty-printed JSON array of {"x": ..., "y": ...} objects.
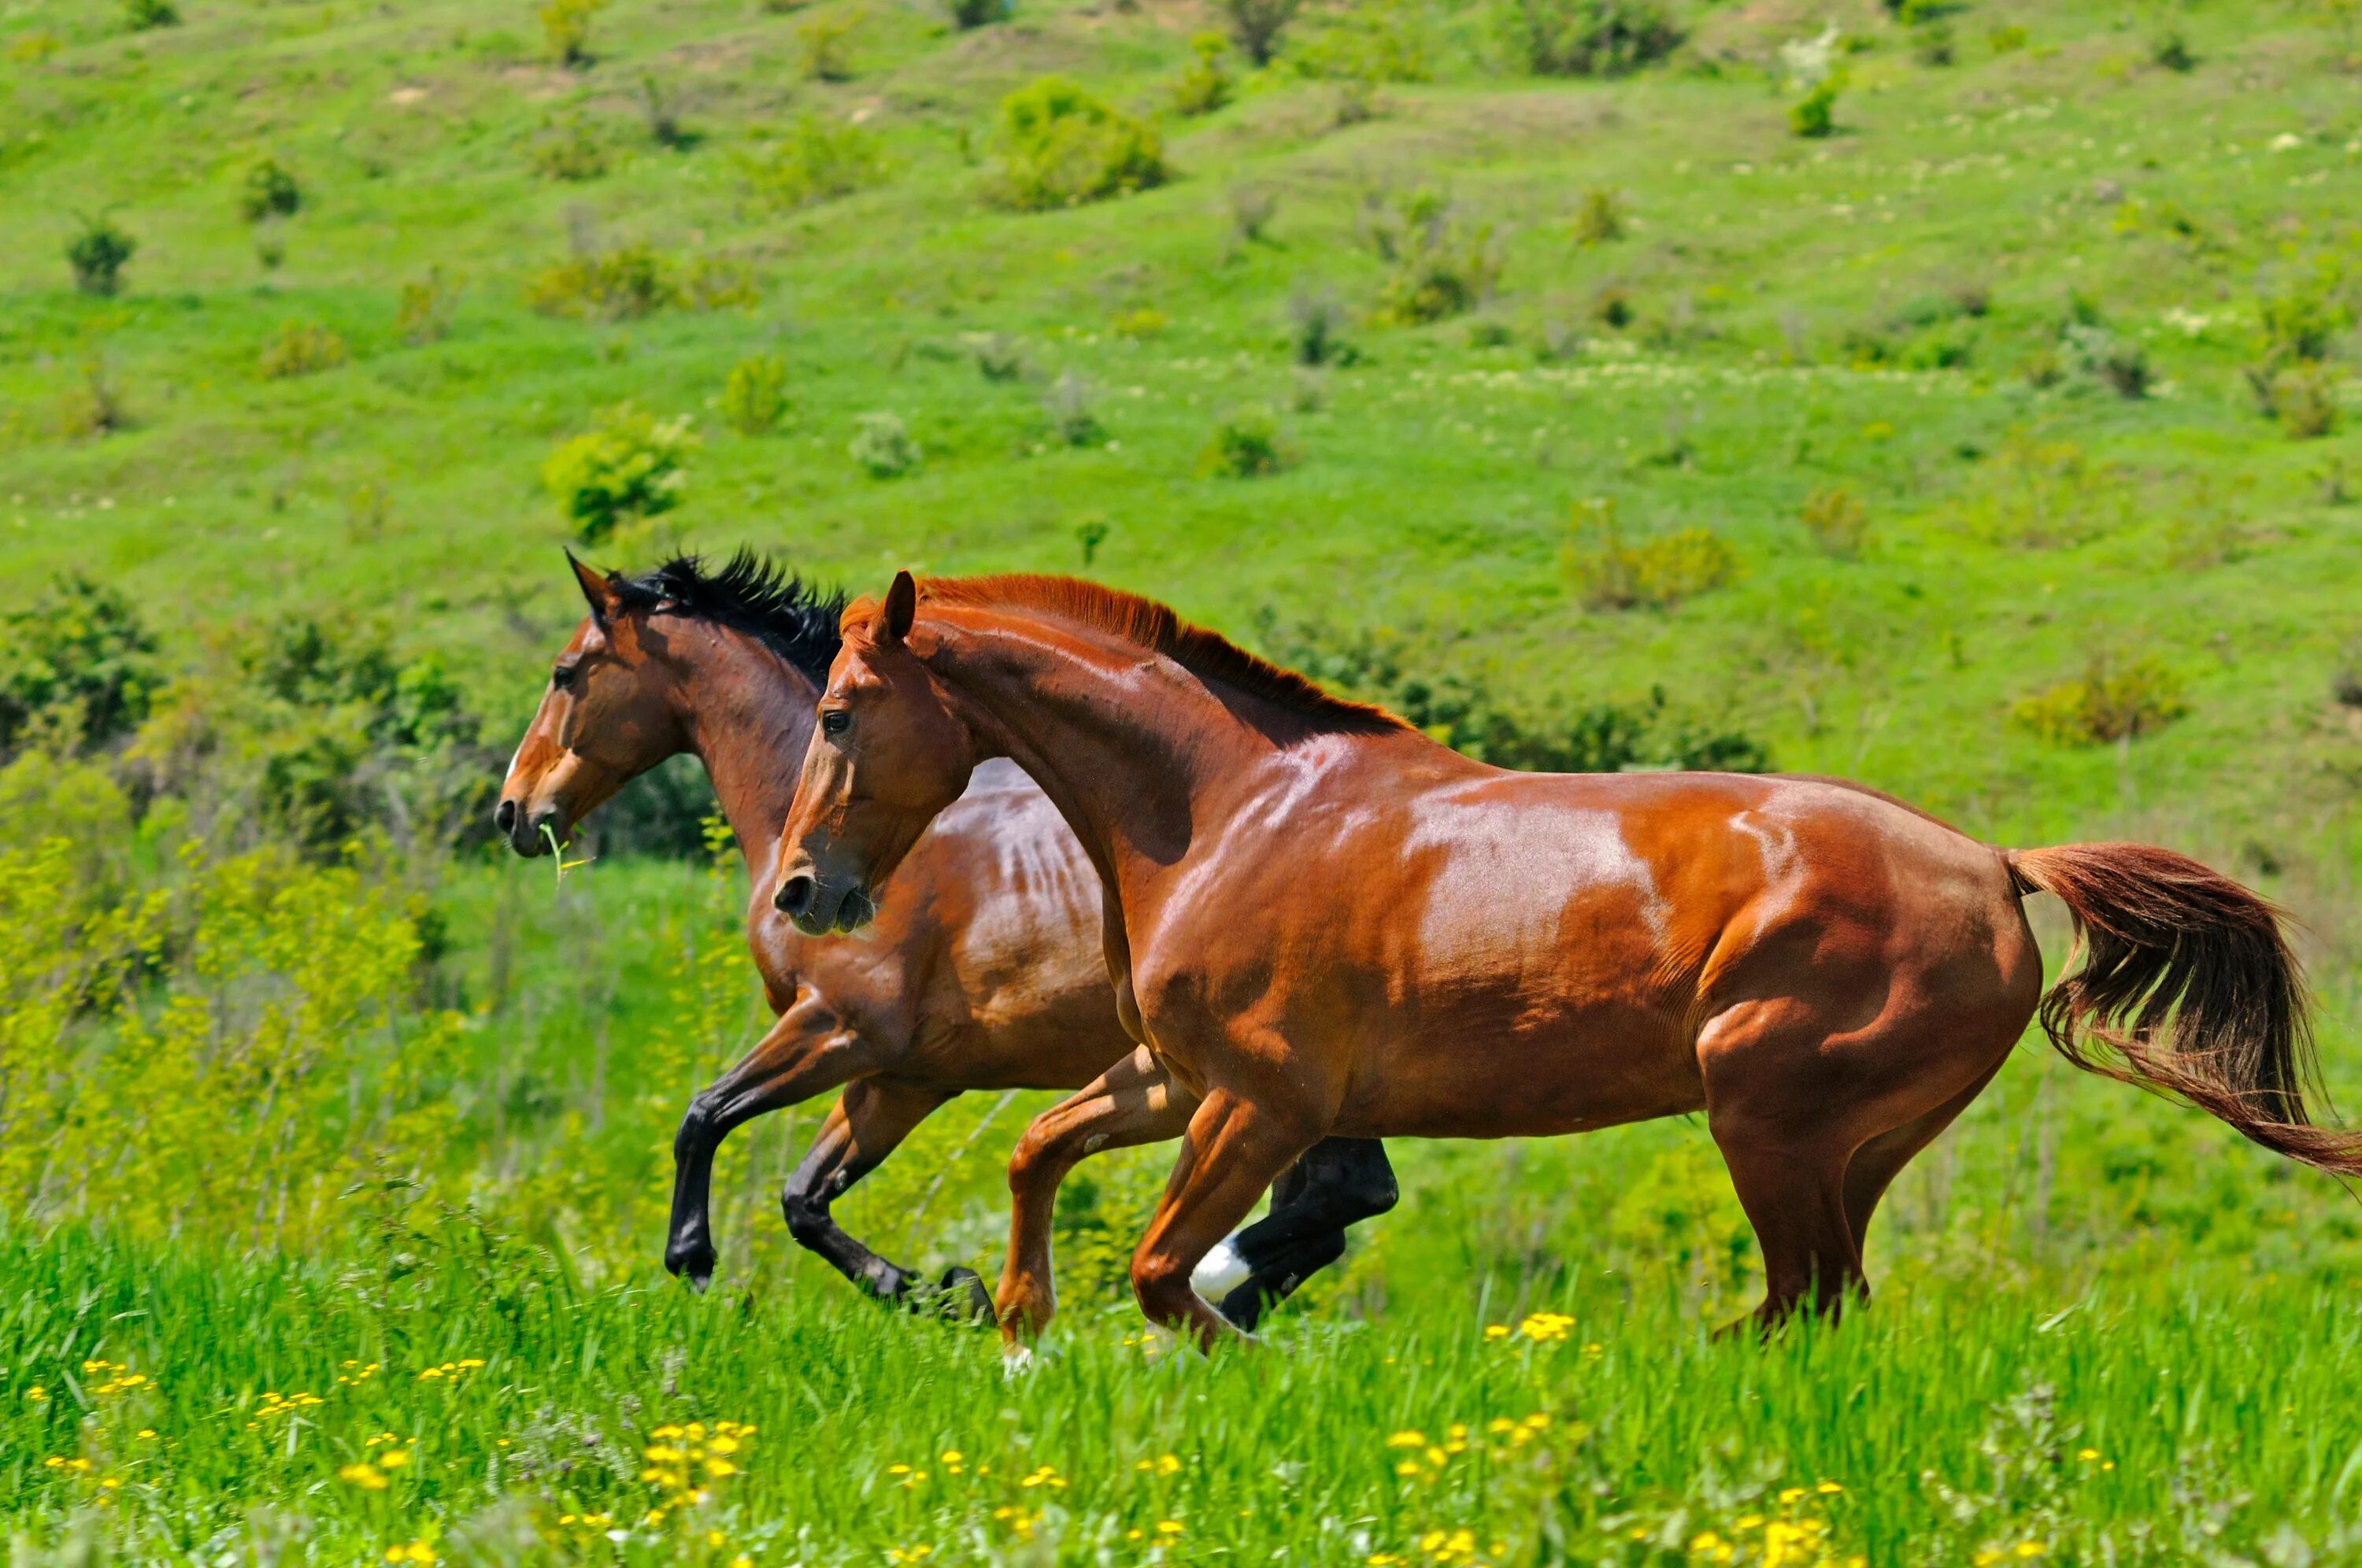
[
  {"x": 1129, "y": 771},
  {"x": 748, "y": 714}
]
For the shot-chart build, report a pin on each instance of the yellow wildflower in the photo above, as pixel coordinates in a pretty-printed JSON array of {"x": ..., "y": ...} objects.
[{"x": 367, "y": 1477}]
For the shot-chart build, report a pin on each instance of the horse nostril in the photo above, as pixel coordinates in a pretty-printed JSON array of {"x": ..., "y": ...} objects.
[
  {"x": 795, "y": 895},
  {"x": 504, "y": 817}
]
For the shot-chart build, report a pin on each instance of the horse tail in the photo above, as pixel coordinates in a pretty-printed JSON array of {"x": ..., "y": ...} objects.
[{"x": 2187, "y": 988}]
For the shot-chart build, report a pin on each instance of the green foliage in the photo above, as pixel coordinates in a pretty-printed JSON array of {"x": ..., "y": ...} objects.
[
  {"x": 567, "y": 151},
  {"x": 1836, "y": 520},
  {"x": 144, "y": 15},
  {"x": 814, "y": 161},
  {"x": 882, "y": 446},
  {"x": 269, "y": 190},
  {"x": 1204, "y": 84},
  {"x": 301, "y": 348},
  {"x": 1256, "y": 25},
  {"x": 78, "y": 668},
  {"x": 969, "y": 14},
  {"x": 1317, "y": 321},
  {"x": 2116, "y": 699},
  {"x": 998, "y": 357},
  {"x": 824, "y": 40},
  {"x": 1442, "y": 263},
  {"x": 566, "y": 28},
  {"x": 1249, "y": 444},
  {"x": 2304, "y": 399},
  {"x": 2171, "y": 51},
  {"x": 97, "y": 255},
  {"x": 1814, "y": 115},
  {"x": 1071, "y": 406},
  {"x": 1585, "y": 38},
  {"x": 621, "y": 284},
  {"x": 423, "y": 308},
  {"x": 1600, "y": 217},
  {"x": 629, "y": 466},
  {"x": 1058, "y": 146},
  {"x": 755, "y": 397},
  {"x": 1611, "y": 572},
  {"x": 1371, "y": 42}
]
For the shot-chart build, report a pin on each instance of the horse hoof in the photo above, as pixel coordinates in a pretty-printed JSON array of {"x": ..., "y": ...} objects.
[
  {"x": 700, "y": 1283},
  {"x": 1016, "y": 1360},
  {"x": 960, "y": 1296}
]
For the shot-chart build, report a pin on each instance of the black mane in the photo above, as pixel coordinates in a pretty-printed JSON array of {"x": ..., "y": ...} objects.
[{"x": 751, "y": 594}]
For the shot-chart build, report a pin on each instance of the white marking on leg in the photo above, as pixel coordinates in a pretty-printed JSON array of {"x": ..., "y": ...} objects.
[
  {"x": 1220, "y": 1271},
  {"x": 1016, "y": 1360}
]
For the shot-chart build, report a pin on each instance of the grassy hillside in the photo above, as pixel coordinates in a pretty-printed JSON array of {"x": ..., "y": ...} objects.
[{"x": 1991, "y": 448}]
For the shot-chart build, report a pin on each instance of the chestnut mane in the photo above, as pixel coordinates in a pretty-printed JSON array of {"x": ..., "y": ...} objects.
[{"x": 1155, "y": 627}]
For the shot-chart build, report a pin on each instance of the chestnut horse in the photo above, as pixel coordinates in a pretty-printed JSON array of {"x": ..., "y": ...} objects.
[
  {"x": 1322, "y": 923},
  {"x": 985, "y": 971}
]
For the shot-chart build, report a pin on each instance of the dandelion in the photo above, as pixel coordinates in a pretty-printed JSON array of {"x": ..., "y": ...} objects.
[
  {"x": 1169, "y": 1526},
  {"x": 908, "y": 1553},
  {"x": 1546, "y": 1328},
  {"x": 147, "y": 1432},
  {"x": 1163, "y": 1464},
  {"x": 367, "y": 1477},
  {"x": 37, "y": 1394},
  {"x": 1408, "y": 1440},
  {"x": 1044, "y": 1477},
  {"x": 1492, "y": 1332},
  {"x": 416, "y": 1551}
]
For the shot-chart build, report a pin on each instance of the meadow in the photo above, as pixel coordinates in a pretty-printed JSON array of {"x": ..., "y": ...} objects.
[{"x": 1954, "y": 397}]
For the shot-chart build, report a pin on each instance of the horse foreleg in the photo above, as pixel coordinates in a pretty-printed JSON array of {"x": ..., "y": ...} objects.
[
  {"x": 804, "y": 1052},
  {"x": 1339, "y": 1182},
  {"x": 862, "y": 1129},
  {"x": 1132, "y": 1102},
  {"x": 1234, "y": 1150}
]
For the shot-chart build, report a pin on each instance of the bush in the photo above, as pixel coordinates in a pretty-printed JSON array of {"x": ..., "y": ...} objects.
[
  {"x": 566, "y": 28},
  {"x": 1600, "y": 218},
  {"x": 1369, "y": 42},
  {"x": 662, "y": 120},
  {"x": 142, "y": 15},
  {"x": 1059, "y": 147},
  {"x": 814, "y": 161},
  {"x": 882, "y": 446},
  {"x": 623, "y": 284},
  {"x": 77, "y": 668},
  {"x": 1203, "y": 85},
  {"x": 1252, "y": 210},
  {"x": 826, "y": 39},
  {"x": 1140, "y": 323},
  {"x": 2302, "y": 323},
  {"x": 1256, "y": 25},
  {"x": 1934, "y": 46},
  {"x": 969, "y": 14},
  {"x": 754, "y": 395},
  {"x": 1072, "y": 407},
  {"x": 568, "y": 151},
  {"x": 98, "y": 255},
  {"x": 1612, "y": 573},
  {"x": 1465, "y": 715},
  {"x": 998, "y": 357},
  {"x": 717, "y": 283},
  {"x": 1249, "y": 445},
  {"x": 2170, "y": 50},
  {"x": 1317, "y": 319},
  {"x": 1838, "y": 522},
  {"x": 1585, "y": 38},
  {"x": 301, "y": 348},
  {"x": 2118, "y": 363},
  {"x": 425, "y": 306},
  {"x": 1442, "y": 266},
  {"x": 2303, "y": 400},
  {"x": 2113, "y": 702},
  {"x": 628, "y": 466},
  {"x": 95, "y": 407},
  {"x": 1816, "y": 114},
  {"x": 269, "y": 190}
]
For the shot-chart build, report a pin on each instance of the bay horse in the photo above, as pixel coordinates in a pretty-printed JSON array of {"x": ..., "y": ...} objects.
[
  {"x": 984, "y": 969},
  {"x": 1323, "y": 923}
]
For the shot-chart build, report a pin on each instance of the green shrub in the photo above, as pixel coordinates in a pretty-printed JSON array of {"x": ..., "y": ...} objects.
[
  {"x": 2303, "y": 399},
  {"x": 301, "y": 348},
  {"x": 271, "y": 191},
  {"x": 1140, "y": 323},
  {"x": 1836, "y": 520},
  {"x": 1585, "y": 38},
  {"x": 1059, "y": 147},
  {"x": 1317, "y": 319},
  {"x": 423, "y": 308},
  {"x": 1204, "y": 85},
  {"x": 1256, "y": 25},
  {"x": 1250, "y": 444},
  {"x": 1441, "y": 264},
  {"x": 1816, "y": 114},
  {"x": 998, "y": 357},
  {"x": 142, "y": 15},
  {"x": 2170, "y": 50},
  {"x": 969, "y": 14},
  {"x": 2006, "y": 38},
  {"x": 1600, "y": 218},
  {"x": 1934, "y": 45},
  {"x": 2114, "y": 700},
  {"x": 2120, "y": 364},
  {"x": 98, "y": 254},
  {"x": 882, "y": 446},
  {"x": 813, "y": 161},
  {"x": 719, "y": 283},
  {"x": 1610, "y": 572},
  {"x": 1366, "y": 42},
  {"x": 623, "y": 284},
  {"x": 567, "y": 151},
  {"x": 78, "y": 668},
  {"x": 1252, "y": 210},
  {"x": 1071, "y": 405},
  {"x": 2303, "y": 321},
  {"x": 755, "y": 394},
  {"x": 566, "y": 28},
  {"x": 824, "y": 41},
  {"x": 628, "y": 466},
  {"x": 95, "y": 407}
]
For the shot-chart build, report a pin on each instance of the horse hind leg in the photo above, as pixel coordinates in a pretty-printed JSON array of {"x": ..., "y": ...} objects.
[
  {"x": 1338, "y": 1183},
  {"x": 1877, "y": 1163}
]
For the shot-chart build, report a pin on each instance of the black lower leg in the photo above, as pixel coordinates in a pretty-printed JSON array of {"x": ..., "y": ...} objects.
[{"x": 1338, "y": 1183}]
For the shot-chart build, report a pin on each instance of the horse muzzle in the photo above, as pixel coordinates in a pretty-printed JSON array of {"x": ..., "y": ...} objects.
[
  {"x": 818, "y": 909},
  {"x": 530, "y": 833}
]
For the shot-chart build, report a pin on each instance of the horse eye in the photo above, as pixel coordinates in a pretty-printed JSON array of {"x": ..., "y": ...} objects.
[
  {"x": 562, "y": 676},
  {"x": 835, "y": 722}
]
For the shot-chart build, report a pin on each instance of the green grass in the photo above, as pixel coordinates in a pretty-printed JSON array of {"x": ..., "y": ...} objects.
[{"x": 2181, "y": 1294}]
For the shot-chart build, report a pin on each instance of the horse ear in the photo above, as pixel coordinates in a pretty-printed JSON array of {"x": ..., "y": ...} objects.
[
  {"x": 597, "y": 591},
  {"x": 902, "y": 608}
]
